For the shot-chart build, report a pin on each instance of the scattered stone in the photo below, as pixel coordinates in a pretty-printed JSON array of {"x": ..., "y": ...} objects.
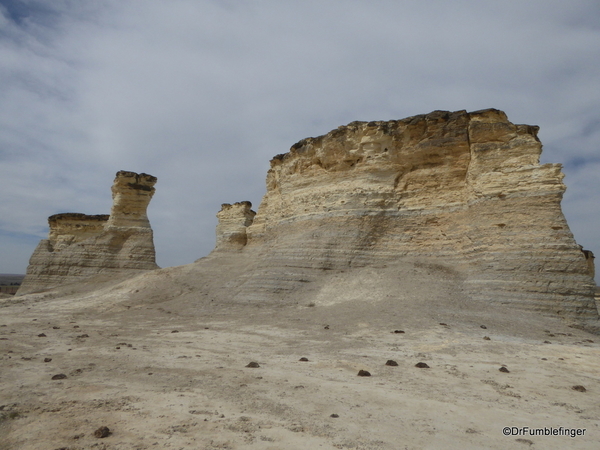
[
  {"x": 253, "y": 365},
  {"x": 364, "y": 373},
  {"x": 326, "y": 327},
  {"x": 47, "y": 359},
  {"x": 303, "y": 359},
  {"x": 588, "y": 340},
  {"x": 398, "y": 331},
  {"x": 102, "y": 432},
  {"x": 335, "y": 416},
  {"x": 422, "y": 365},
  {"x": 175, "y": 331},
  {"x": 56, "y": 328},
  {"x": 391, "y": 362},
  {"x": 78, "y": 436},
  {"x": 486, "y": 338},
  {"x": 470, "y": 431},
  {"x": 443, "y": 324},
  {"x": 504, "y": 369},
  {"x": 83, "y": 336},
  {"x": 547, "y": 342},
  {"x": 60, "y": 376},
  {"x": 483, "y": 326},
  {"x": 544, "y": 359},
  {"x": 551, "y": 335},
  {"x": 579, "y": 388},
  {"x": 76, "y": 326},
  {"x": 41, "y": 335},
  {"x": 524, "y": 441},
  {"x": 118, "y": 348}
]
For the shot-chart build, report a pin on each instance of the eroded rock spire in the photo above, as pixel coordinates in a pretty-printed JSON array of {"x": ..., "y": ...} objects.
[{"x": 81, "y": 246}]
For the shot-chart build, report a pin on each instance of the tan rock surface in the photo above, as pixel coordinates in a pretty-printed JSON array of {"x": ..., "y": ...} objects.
[
  {"x": 157, "y": 388},
  {"x": 464, "y": 190},
  {"x": 81, "y": 246},
  {"x": 233, "y": 223}
]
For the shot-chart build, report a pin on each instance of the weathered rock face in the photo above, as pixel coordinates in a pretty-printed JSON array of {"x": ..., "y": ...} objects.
[
  {"x": 464, "y": 190},
  {"x": 131, "y": 193},
  {"x": 81, "y": 246},
  {"x": 233, "y": 222}
]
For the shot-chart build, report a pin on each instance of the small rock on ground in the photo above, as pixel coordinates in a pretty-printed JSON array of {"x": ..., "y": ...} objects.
[{"x": 102, "y": 432}]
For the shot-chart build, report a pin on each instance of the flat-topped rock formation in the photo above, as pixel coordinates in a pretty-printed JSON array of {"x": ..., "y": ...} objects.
[
  {"x": 81, "y": 246},
  {"x": 462, "y": 191}
]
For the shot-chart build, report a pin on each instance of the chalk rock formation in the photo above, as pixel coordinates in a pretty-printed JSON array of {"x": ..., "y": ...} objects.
[
  {"x": 233, "y": 222},
  {"x": 463, "y": 190},
  {"x": 81, "y": 246}
]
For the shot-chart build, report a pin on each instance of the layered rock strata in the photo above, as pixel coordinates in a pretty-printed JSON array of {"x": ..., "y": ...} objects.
[
  {"x": 81, "y": 246},
  {"x": 462, "y": 190},
  {"x": 233, "y": 223}
]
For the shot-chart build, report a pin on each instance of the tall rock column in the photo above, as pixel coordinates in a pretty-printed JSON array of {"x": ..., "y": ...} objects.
[
  {"x": 81, "y": 246},
  {"x": 233, "y": 223},
  {"x": 131, "y": 193}
]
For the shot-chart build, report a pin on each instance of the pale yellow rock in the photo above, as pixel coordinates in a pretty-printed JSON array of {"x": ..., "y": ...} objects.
[
  {"x": 81, "y": 246},
  {"x": 462, "y": 190},
  {"x": 233, "y": 222}
]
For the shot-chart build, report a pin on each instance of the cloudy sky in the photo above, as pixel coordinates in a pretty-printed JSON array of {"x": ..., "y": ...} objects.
[{"x": 201, "y": 94}]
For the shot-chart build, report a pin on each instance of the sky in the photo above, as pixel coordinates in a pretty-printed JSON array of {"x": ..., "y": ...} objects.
[{"x": 203, "y": 93}]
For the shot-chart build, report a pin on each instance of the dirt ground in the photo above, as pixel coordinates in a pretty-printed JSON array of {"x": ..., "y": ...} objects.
[{"x": 169, "y": 370}]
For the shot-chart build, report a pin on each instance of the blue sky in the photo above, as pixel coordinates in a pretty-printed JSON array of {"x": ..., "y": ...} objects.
[{"x": 201, "y": 94}]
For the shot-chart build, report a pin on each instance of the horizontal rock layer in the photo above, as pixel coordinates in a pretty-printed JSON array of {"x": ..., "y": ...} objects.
[
  {"x": 81, "y": 246},
  {"x": 462, "y": 190}
]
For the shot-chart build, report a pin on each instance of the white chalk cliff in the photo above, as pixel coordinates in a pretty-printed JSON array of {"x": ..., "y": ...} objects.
[
  {"x": 462, "y": 191},
  {"x": 446, "y": 203},
  {"x": 81, "y": 246}
]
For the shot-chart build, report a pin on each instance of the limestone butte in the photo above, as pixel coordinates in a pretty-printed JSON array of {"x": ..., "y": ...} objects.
[
  {"x": 463, "y": 191},
  {"x": 81, "y": 246}
]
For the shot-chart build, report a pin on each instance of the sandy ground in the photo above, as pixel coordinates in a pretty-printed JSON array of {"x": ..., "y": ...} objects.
[{"x": 172, "y": 374}]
